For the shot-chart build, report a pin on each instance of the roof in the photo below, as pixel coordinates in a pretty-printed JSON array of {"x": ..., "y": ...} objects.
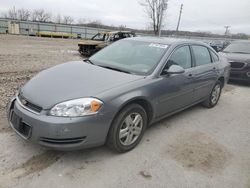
[
  {"x": 165, "y": 40},
  {"x": 112, "y": 32}
]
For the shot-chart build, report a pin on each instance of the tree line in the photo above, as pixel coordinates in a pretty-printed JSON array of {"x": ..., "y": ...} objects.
[{"x": 37, "y": 15}]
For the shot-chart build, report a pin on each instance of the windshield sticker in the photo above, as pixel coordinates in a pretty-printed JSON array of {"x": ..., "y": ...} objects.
[{"x": 158, "y": 45}]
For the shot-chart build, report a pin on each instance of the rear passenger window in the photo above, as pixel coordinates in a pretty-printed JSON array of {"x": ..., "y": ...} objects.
[
  {"x": 201, "y": 55},
  {"x": 181, "y": 57},
  {"x": 214, "y": 56}
]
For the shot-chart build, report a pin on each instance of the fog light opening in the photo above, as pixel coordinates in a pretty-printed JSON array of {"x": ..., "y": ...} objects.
[{"x": 248, "y": 74}]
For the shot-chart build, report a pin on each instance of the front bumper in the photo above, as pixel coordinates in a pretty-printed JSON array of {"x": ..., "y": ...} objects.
[
  {"x": 60, "y": 133},
  {"x": 241, "y": 75},
  {"x": 87, "y": 50}
]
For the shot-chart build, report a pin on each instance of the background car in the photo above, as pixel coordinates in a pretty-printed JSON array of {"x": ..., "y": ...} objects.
[
  {"x": 100, "y": 40},
  {"x": 238, "y": 55},
  {"x": 113, "y": 96},
  {"x": 219, "y": 45}
]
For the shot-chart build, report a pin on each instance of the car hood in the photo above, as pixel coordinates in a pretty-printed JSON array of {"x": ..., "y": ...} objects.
[
  {"x": 236, "y": 57},
  {"x": 71, "y": 81}
]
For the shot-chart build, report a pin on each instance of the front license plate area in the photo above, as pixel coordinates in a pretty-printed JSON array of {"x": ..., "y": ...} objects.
[
  {"x": 15, "y": 120},
  {"x": 19, "y": 126}
]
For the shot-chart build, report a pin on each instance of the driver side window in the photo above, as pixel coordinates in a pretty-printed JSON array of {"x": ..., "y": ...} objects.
[{"x": 181, "y": 57}]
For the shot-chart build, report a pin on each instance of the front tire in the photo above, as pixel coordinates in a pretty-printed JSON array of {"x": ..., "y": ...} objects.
[
  {"x": 214, "y": 96},
  {"x": 127, "y": 128}
]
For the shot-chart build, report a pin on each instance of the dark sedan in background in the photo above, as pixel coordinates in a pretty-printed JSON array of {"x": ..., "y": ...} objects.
[
  {"x": 114, "y": 95},
  {"x": 219, "y": 45},
  {"x": 238, "y": 55}
]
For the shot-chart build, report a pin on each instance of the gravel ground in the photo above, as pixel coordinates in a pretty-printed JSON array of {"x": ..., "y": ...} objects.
[
  {"x": 196, "y": 148},
  {"x": 21, "y": 57}
]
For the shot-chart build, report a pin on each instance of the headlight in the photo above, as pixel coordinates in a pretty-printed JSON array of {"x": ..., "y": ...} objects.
[{"x": 77, "y": 107}]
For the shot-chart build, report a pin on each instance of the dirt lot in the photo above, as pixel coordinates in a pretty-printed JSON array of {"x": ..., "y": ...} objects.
[
  {"x": 196, "y": 148},
  {"x": 21, "y": 57}
]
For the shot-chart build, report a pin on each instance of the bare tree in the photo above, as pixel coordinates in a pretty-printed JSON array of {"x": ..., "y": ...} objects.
[
  {"x": 155, "y": 10},
  {"x": 23, "y": 14},
  {"x": 94, "y": 23},
  {"x": 41, "y": 15},
  {"x": 81, "y": 21},
  {"x": 34, "y": 15},
  {"x": 122, "y": 27},
  {"x": 58, "y": 19},
  {"x": 68, "y": 20},
  {"x": 12, "y": 13}
]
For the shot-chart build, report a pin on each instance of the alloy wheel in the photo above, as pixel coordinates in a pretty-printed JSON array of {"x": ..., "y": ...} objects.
[
  {"x": 215, "y": 94},
  {"x": 131, "y": 129}
]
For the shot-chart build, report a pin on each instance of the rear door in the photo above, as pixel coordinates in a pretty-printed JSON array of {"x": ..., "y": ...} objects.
[
  {"x": 176, "y": 91},
  {"x": 205, "y": 71}
]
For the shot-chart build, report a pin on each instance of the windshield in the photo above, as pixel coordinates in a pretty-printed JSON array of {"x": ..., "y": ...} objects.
[
  {"x": 100, "y": 37},
  {"x": 135, "y": 57},
  {"x": 243, "y": 47}
]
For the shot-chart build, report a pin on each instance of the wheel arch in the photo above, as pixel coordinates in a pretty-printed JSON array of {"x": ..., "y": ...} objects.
[
  {"x": 222, "y": 80},
  {"x": 148, "y": 107}
]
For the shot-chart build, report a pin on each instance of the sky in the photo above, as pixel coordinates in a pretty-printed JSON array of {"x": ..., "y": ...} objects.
[{"x": 198, "y": 15}]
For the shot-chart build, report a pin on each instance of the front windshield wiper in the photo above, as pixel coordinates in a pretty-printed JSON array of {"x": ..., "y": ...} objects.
[
  {"x": 88, "y": 61},
  {"x": 116, "y": 69}
]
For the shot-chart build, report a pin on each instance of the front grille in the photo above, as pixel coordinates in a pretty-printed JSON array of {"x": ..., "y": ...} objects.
[
  {"x": 87, "y": 49},
  {"x": 63, "y": 141},
  {"x": 237, "y": 65},
  {"x": 29, "y": 105}
]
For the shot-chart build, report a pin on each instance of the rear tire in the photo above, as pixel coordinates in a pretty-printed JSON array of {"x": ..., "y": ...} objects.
[
  {"x": 127, "y": 128},
  {"x": 214, "y": 96}
]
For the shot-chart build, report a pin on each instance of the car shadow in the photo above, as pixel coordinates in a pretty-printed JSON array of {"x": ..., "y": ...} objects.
[{"x": 177, "y": 115}]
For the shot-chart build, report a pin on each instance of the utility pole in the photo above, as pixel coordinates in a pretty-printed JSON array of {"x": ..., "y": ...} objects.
[
  {"x": 179, "y": 20},
  {"x": 227, "y": 29}
]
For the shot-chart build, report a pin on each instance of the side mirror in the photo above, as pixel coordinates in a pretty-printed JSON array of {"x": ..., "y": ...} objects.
[{"x": 175, "y": 69}]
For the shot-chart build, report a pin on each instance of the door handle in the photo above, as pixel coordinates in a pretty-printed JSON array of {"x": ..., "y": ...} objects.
[{"x": 189, "y": 76}]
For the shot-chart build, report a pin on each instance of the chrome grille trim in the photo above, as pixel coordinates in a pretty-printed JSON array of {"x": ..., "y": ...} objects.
[{"x": 25, "y": 107}]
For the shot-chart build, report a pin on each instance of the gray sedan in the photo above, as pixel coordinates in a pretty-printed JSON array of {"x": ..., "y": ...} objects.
[{"x": 113, "y": 96}]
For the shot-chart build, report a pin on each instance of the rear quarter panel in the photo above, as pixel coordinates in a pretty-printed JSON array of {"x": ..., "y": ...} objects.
[{"x": 224, "y": 68}]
